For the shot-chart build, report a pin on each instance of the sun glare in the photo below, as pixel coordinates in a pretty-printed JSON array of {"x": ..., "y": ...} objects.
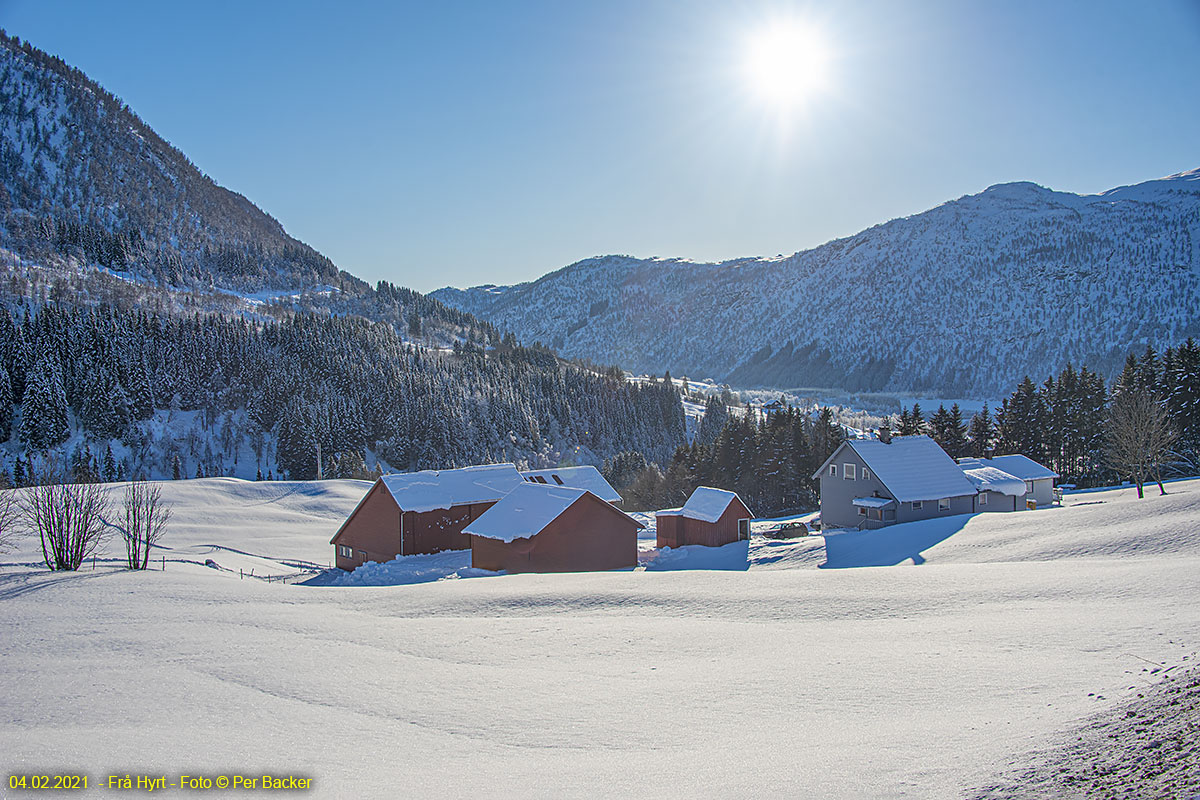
[{"x": 787, "y": 64}]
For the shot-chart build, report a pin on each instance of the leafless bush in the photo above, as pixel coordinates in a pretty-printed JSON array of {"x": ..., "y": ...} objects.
[
  {"x": 145, "y": 520},
  {"x": 9, "y": 516},
  {"x": 67, "y": 517}
]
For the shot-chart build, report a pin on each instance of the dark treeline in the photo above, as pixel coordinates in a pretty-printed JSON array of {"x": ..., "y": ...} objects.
[
  {"x": 1070, "y": 423},
  {"x": 767, "y": 460},
  {"x": 122, "y": 393},
  {"x": 1067, "y": 422}
]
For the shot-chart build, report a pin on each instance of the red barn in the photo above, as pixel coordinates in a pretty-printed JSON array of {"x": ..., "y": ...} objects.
[
  {"x": 420, "y": 512},
  {"x": 542, "y": 528},
  {"x": 712, "y": 517}
]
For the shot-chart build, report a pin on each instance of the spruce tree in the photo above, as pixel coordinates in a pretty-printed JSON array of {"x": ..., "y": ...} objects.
[
  {"x": 44, "y": 422},
  {"x": 981, "y": 434},
  {"x": 6, "y": 405}
]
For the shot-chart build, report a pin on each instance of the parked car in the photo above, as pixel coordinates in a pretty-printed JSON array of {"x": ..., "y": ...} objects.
[{"x": 787, "y": 530}]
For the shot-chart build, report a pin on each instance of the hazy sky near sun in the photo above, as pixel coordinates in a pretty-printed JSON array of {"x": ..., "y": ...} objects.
[{"x": 460, "y": 143}]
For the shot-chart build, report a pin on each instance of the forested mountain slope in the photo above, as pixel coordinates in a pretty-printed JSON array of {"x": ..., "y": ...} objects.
[
  {"x": 154, "y": 323},
  {"x": 960, "y": 300}
]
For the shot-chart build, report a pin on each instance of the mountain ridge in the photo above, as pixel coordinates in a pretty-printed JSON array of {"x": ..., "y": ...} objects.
[{"x": 1019, "y": 262}]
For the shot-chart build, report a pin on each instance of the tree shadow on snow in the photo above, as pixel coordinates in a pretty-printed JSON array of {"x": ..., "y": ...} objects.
[{"x": 887, "y": 547}]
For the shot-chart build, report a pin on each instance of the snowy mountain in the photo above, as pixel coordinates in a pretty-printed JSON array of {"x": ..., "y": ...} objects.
[
  {"x": 961, "y": 300},
  {"x": 90, "y": 194},
  {"x": 154, "y": 323}
]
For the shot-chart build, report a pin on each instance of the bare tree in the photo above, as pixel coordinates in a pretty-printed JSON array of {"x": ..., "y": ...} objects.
[
  {"x": 145, "y": 520},
  {"x": 9, "y": 516},
  {"x": 67, "y": 517},
  {"x": 1139, "y": 437}
]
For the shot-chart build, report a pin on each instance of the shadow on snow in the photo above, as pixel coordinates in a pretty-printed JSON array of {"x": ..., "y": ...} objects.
[
  {"x": 734, "y": 556},
  {"x": 886, "y": 547}
]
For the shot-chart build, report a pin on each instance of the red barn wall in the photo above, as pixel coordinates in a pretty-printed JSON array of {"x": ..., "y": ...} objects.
[
  {"x": 440, "y": 529},
  {"x": 667, "y": 530},
  {"x": 588, "y": 536},
  {"x": 374, "y": 528}
]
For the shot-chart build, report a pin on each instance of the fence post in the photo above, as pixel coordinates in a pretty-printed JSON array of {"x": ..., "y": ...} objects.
[{"x": 164, "y": 567}]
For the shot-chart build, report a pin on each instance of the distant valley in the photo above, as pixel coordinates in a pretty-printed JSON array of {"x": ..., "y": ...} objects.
[{"x": 962, "y": 300}]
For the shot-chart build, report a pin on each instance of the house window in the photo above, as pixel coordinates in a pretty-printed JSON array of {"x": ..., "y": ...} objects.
[
  {"x": 345, "y": 551},
  {"x": 362, "y": 555},
  {"x": 833, "y": 470},
  {"x": 848, "y": 471},
  {"x": 916, "y": 505},
  {"x": 866, "y": 474},
  {"x": 557, "y": 480},
  {"x": 539, "y": 479},
  {"x": 944, "y": 504},
  {"x": 983, "y": 498},
  {"x": 744, "y": 529},
  {"x": 862, "y": 512},
  {"x": 1028, "y": 487}
]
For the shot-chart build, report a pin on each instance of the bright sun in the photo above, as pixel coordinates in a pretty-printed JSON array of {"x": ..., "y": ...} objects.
[{"x": 787, "y": 64}]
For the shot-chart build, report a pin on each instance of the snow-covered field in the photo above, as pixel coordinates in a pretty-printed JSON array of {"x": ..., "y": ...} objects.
[{"x": 770, "y": 676}]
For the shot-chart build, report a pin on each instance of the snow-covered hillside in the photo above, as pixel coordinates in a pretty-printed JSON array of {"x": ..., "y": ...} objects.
[
  {"x": 961, "y": 300},
  {"x": 800, "y": 681}
]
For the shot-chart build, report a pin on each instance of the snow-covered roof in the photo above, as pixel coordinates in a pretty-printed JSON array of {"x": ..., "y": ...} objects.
[
  {"x": 585, "y": 477},
  {"x": 1018, "y": 466},
  {"x": 707, "y": 504},
  {"x": 526, "y": 510},
  {"x": 992, "y": 479},
  {"x": 912, "y": 468},
  {"x": 433, "y": 489},
  {"x": 872, "y": 502}
]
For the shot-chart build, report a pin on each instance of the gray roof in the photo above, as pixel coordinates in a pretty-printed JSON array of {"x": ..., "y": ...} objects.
[
  {"x": 992, "y": 479},
  {"x": 1018, "y": 466},
  {"x": 913, "y": 468},
  {"x": 434, "y": 489},
  {"x": 584, "y": 477}
]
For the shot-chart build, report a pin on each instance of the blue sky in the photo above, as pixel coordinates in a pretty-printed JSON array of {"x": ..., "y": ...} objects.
[{"x": 484, "y": 142}]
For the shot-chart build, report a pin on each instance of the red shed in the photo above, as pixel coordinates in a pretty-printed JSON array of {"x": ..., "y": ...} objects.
[
  {"x": 540, "y": 528},
  {"x": 420, "y": 512},
  {"x": 711, "y": 517}
]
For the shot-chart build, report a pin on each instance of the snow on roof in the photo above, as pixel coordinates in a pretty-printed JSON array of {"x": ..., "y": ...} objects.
[
  {"x": 872, "y": 502},
  {"x": 1018, "y": 466},
  {"x": 433, "y": 489},
  {"x": 524, "y": 511},
  {"x": 707, "y": 504},
  {"x": 585, "y": 477},
  {"x": 992, "y": 479},
  {"x": 913, "y": 468}
]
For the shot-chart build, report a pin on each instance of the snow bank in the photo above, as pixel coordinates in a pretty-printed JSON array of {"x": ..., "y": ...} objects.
[{"x": 405, "y": 570}]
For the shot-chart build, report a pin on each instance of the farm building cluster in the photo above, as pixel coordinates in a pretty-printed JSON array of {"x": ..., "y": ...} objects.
[
  {"x": 569, "y": 519},
  {"x": 868, "y": 483},
  {"x": 553, "y": 520}
]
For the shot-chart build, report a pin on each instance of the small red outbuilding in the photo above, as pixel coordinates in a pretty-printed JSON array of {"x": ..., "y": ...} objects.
[
  {"x": 541, "y": 528},
  {"x": 711, "y": 517}
]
